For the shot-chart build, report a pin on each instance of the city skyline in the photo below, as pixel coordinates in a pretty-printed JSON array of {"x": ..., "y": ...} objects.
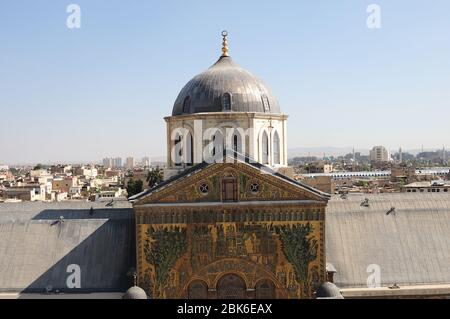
[
  {"x": 319, "y": 152},
  {"x": 77, "y": 95}
]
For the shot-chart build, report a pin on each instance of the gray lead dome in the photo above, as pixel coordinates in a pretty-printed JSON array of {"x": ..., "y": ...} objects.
[{"x": 225, "y": 86}]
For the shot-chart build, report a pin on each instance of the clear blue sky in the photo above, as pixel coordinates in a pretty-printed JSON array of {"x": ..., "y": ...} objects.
[{"x": 103, "y": 90}]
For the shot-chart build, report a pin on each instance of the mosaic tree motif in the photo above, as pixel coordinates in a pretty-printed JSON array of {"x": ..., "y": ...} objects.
[
  {"x": 300, "y": 250},
  {"x": 201, "y": 247},
  {"x": 162, "y": 248},
  {"x": 147, "y": 283}
]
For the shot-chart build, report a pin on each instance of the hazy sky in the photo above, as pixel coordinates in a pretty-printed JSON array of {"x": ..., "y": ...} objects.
[{"x": 103, "y": 90}]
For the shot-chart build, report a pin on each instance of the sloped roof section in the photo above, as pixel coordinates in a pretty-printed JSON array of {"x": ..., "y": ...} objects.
[
  {"x": 407, "y": 235},
  {"x": 36, "y": 246}
]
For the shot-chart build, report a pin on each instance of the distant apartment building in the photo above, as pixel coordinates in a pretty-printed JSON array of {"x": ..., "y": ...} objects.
[
  {"x": 63, "y": 185},
  {"x": 437, "y": 186},
  {"x": 138, "y": 174},
  {"x": 75, "y": 191},
  {"x": 111, "y": 173},
  {"x": 110, "y": 162},
  {"x": 403, "y": 173},
  {"x": 6, "y": 176},
  {"x": 319, "y": 167},
  {"x": 57, "y": 169},
  {"x": 36, "y": 173},
  {"x": 25, "y": 193},
  {"x": 322, "y": 183},
  {"x": 117, "y": 162},
  {"x": 379, "y": 154},
  {"x": 130, "y": 163},
  {"x": 89, "y": 172},
  {"x": 110, "y": 194},
  {"x": 145, "y": 162},
  {"x": 104, "y": 182}
]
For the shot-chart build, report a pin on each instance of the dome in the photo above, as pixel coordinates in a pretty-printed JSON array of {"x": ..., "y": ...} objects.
[
  {"x": 328, "y": 290},
  {"x": 135, "y": 292},
  {"x": 225, "y": 86}
]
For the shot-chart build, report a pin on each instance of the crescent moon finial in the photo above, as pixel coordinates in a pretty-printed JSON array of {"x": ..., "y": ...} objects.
[{"x": 224, "y": 43}]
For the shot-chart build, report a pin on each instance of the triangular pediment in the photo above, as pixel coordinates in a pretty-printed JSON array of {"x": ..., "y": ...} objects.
[{"x": 206, "y": 183}]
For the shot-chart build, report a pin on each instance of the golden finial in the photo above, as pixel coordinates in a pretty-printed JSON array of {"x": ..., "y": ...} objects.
[{"x": 224, "y": 43}]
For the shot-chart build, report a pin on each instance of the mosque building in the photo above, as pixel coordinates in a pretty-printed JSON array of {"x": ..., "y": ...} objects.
[{"x": 226, "y": 222}]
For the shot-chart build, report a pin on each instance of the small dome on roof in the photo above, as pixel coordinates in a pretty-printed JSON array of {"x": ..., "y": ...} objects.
[
  {"x": 135, "y": 292},
  {"x": 328, "y": 290}
]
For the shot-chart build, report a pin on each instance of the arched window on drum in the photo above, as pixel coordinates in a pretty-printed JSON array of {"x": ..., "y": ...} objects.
[
  {"x": 265, "y": 148},
  {"x": 189, "y": 160},
  {"x": 184, "y": 150},
  {"x": 226, "y": 102},
  {"x": 178, "y": 150},
  {"x": 276, "y": 148},
  {"x": 236, "y": 143}
]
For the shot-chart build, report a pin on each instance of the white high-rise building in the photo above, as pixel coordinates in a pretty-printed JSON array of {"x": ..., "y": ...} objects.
[
  {"x": 145, "y": 162},
  {"x": 110, "y": 162},
  {"x": 129, "y": 164},
  {"x": 379, "y": 154}
]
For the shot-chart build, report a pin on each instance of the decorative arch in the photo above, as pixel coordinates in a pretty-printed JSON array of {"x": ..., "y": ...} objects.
[
  {"x": 217, "y": 139},
  {"x": 189, "y": 153},
  {"x": 240, "y": 267},
  {"x": 178, "y": 150},
  {"x": 231, "y": 286},
  {"x": 265, "y": 289},
  {"x": 197, "y": 289},
  {"x": 234, "y": 139},
  {"x": 183, "y": 147},
  {"x": 276, "y": 149}
]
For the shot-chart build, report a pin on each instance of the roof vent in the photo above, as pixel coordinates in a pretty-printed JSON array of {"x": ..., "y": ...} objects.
[
  {"x": 392, "y": 210},
  {"x": 365, "y": 202}
]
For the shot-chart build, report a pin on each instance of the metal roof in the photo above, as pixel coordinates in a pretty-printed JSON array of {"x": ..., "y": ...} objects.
[
  {"x": 36, "y": 249},
  {"x": 411, "y": 244}
]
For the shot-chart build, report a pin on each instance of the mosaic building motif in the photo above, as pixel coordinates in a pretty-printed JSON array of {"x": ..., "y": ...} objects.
[{"x": 286, "y": 255}]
